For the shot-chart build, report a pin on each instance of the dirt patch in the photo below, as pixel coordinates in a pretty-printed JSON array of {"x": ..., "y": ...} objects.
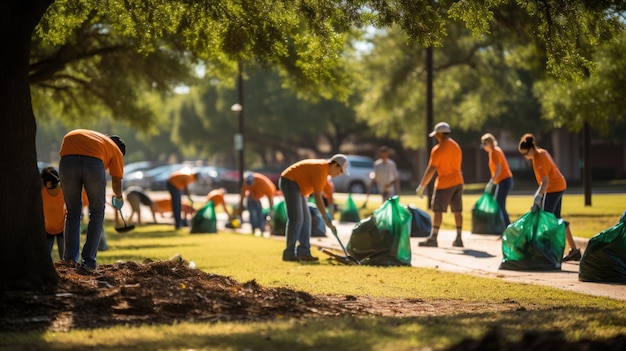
[{"x": 166, "y": 292}]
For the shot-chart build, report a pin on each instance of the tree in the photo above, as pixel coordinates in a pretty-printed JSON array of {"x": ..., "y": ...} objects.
[{"x": 305, "y": 38}]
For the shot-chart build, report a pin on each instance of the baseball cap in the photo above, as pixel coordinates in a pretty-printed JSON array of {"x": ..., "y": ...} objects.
[
  {"x": 441, "y": 127},
  {"x": 341, "y": 160},
  {"x": 120, "y": 143}
]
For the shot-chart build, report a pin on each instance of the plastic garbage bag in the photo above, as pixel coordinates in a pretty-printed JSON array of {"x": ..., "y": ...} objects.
[
  {"x": 350, "y": 213},
  {"x": 279, "y": 220},
  {"x": 383, "y": 239},
  {"x": 534, "y": 242},
  {"x": 486, "y": 216},
  {"x": 421, "y": 223},
  {"x": 205, "y": 220},
  {"x": 604, "y": 260}
]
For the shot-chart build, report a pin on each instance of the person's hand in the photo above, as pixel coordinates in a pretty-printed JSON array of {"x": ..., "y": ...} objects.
[
  {"x": 538, "y": 201},
  {"x": 420, "y": 191},
  {"x": 489, "y": 187},
  {"x": 328, "y": 220},
  {"x": 117, "y": 202}
]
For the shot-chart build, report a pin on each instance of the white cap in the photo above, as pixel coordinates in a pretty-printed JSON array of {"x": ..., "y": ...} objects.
[
  {"x": 441, "y": 127},
  {"x": 341, "y": 160}
]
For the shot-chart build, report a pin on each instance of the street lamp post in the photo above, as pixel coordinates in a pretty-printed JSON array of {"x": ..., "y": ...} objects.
[{"x": 239, "y": 137}]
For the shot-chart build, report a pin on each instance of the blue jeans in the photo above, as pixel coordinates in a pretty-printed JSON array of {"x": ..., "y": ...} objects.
[
  {"x": 298, "y": 225},
  {"x": 255, "y": 210},
  {"x": 78, "y": 172},
  {"x": 502, "y": 191},
  {"x": 60, "y": 243},
  {"x": 175, "y": 194}
]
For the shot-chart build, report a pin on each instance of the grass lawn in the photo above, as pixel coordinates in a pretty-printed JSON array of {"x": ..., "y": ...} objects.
[{"x": 246, "y": 257}]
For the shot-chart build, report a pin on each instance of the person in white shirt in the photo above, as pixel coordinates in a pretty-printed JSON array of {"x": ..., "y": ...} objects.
[{"x": 385, "y": 175}]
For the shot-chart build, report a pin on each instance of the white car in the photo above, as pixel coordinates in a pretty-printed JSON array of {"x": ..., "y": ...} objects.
[{"x": 361, "y": 168}]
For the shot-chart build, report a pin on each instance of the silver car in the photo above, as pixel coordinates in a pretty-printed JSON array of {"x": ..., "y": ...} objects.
[{"x": 361, "y": 168}]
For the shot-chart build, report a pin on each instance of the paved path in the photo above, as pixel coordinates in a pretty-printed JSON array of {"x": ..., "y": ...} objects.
[{"x": 481, "y": 256}]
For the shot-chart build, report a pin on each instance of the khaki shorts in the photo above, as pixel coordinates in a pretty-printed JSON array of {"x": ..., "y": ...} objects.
[{"x": 449, "y": 196}]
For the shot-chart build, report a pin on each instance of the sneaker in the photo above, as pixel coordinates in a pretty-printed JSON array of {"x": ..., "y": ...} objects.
[
  {"x": 308, "y": 258},
  {"x": 290, "y": 259},
  {"x": 430, "y": 242},
  {"x": 458, "y": 242},
  {"x": 84, "y": 269},
  {"x": 573, "y": 255}
]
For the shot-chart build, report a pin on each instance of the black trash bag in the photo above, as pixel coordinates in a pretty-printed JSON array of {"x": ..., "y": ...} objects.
[
  {"x": 383, "y": 239},
  {"x": 279, "y": 220},
  {"x": 318, "y": 228},
  {"x": 486, "y": 216},
  {"x": 604, "y": 260},
  {"x": 421, "y": 224},
  {"x": 204, "y": 221},
  {"x": 350, "y": 213},
  {"x": 534, "y": 242}
]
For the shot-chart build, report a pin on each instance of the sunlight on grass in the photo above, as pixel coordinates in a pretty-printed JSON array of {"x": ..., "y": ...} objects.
[{"x": 246, "y": 257}]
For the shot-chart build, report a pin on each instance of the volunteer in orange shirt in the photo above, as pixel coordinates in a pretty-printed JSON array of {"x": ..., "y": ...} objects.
[
  {"x": 297, "y": 182},
  {"x": 501, "y": 175},
  {"x": 445, "y": 159},
  {"x": 219, "y": 199},
  {"x": 53, "y": 208},
  {"x": 255, "y": 187},
  {"x": 552, "y": 185},
  {"x": 85, "y": 156},
  {"x": 177, "y": 184}
]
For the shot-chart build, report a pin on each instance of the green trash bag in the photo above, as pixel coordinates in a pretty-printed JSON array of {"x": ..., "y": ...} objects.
[
  {"x": 534, "y": 242},
  {"x": 350, "y": 213},
  {"x": 604, "y": 260},
  {"x": 205, "y": 220},
  {"x": 279, "y": 220},
  {"x": 486, "y": 216},
  {"x": 383, "y": 239}
]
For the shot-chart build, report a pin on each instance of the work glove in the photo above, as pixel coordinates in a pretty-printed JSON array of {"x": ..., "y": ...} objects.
[
  {"x": 538, "y": 201},
  {"x": 117, "y": 203},
  {"x": 489, "y": 187},
  {"x": 328, "y": 220},
  {"x": 420, "y": 191}
]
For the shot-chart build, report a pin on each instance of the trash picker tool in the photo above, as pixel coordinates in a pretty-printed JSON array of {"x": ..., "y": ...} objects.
[{"x": 346, "y": 259}]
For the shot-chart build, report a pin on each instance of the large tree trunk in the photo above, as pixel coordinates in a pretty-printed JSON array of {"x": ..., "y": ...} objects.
[{"x": 24, "y": 255}]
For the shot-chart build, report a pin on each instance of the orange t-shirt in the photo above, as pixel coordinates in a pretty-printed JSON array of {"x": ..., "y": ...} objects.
[
  {"x": 217, "y": 196},
  {"x": 543, "y": 165},
  {"x": 180, "y": 179},
  {"x": 311, "y": 175},
  {"x": 446, "y": 157},
  {"x": 91, "y": 143},
  {"x": 262, "y": 186},
  {"x": 53, "y": 211},
  {"x": 496, "y": 157}
]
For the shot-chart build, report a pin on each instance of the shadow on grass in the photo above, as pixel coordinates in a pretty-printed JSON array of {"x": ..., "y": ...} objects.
[{"x": 565, "y": 325}]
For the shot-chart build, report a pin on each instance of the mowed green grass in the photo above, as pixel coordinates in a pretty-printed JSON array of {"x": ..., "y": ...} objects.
[{"x": 246, "y": 257}]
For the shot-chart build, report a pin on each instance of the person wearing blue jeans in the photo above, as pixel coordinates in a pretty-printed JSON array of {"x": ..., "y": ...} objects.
[
  {"x": 85, "y": 156},
  {"x": 501, "y": 175},
  {"x": 297, "y": 182}
]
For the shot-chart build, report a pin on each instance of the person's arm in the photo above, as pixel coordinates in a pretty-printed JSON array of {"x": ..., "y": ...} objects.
[
  {"x": 496, "y": 173},
  {"x": 543, "y": 187},
  {"x": 116, "y": 185},
  {"x": 319, "y": 202},
  {"x": 428, "y": 175}
]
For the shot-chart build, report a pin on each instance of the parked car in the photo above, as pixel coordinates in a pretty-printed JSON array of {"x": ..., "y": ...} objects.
[
  {"x": 148, "y": 179},
  {"x": 359, "y": 179},
  {"x": 211, "y": 177}
]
